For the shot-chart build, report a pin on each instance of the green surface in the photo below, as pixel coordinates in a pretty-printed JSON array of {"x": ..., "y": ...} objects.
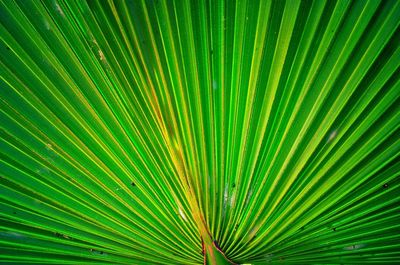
[{"x": 133, "y": 131}]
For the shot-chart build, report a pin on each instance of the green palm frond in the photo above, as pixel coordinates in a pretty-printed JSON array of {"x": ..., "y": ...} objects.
[{"x": 190, "y": 132}]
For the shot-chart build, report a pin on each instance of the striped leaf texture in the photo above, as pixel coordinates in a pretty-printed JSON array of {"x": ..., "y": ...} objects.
[{"x": 199, "y": 132}]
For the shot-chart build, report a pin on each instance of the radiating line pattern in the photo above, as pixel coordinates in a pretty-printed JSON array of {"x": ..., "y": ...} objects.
[{"x": 155, "y": 132}]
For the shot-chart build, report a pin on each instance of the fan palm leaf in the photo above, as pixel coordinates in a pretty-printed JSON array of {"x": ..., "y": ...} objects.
[{"x": 190, "y": 132}]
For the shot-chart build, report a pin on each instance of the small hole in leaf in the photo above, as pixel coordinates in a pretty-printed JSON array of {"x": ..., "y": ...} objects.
[
  {"x": 133, "y": 184},
  {"x": 385, "y": 185},
  {"x": 216, "y": 244}
]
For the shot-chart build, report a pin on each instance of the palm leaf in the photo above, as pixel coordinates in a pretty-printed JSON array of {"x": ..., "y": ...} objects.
[{"x": 183, "y": 132}]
